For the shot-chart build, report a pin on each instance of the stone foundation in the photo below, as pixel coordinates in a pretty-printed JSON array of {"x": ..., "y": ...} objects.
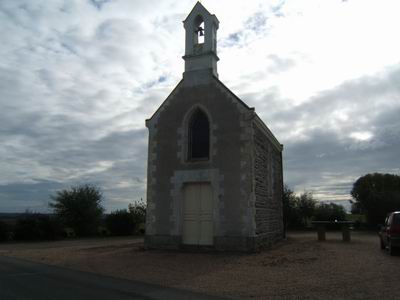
[{"x": 223, "y": 243}]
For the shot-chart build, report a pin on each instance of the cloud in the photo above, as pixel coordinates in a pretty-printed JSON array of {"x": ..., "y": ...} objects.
[
  {"x": 109, "y": 162},
  {"x": 99, "y": 3},
  {"x": 33, "y": 196},
  {"x": 256, "y": 22},
  {"x": 78, "y": 79},
  {"x": 341, "y": 134},
  {"x": 280, "y": 64}
]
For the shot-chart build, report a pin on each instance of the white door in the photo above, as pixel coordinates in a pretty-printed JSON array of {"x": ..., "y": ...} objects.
[{"x": 198, "y": 214}]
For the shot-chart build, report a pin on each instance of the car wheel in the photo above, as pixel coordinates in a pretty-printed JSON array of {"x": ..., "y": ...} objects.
[{"x": 382, "y": 244}]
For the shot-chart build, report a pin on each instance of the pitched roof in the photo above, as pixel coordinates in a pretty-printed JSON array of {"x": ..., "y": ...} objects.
[{"x": 199, "y": 7}]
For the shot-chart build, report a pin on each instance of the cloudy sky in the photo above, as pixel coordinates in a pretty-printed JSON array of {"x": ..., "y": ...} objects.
[{"x": 79, "y": 77}]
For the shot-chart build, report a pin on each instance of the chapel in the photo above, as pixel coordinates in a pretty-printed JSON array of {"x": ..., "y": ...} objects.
[{"x": 214, "y": 176}]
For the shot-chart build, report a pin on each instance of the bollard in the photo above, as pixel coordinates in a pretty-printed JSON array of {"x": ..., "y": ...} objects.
[
  {"x": 321, "y": 232},
  {"x": 346, "y": 233}
]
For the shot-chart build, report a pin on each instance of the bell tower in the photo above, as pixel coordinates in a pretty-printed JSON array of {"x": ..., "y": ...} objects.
[{"x": 200, "y": 43}]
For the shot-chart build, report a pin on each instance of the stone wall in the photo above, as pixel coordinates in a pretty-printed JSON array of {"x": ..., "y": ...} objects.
[
  {"x": 228, "y": 170},
  {"x": 244, "y": 170},
  {"x": 267, "y": 189}
]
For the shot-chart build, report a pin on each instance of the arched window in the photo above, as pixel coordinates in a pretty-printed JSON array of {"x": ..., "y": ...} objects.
[{"x": 199, "y": 136}]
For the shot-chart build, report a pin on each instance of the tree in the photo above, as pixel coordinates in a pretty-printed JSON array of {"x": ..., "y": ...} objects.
[
  {"x": 306, "y": 205},
  {"x": 138, "y": 212},
  {"x": 329, "y": 212},
  {"x": 290, "y": 214},
  {"x": 377, "y": 195},
  {"x": 297, "y": 210},
  {"x": 356, "y": 208},
  {"x": 79, "y": 208}
]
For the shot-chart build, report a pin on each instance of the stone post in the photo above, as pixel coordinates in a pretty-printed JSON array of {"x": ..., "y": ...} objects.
[
  {"x": 321, "y": 232},
  {"x": 346, "y": 232}
]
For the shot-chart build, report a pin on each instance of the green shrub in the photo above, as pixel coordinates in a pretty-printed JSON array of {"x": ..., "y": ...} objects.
[
  {"x": 330, "y": 212},
  {"x": 120, "y": 222},
  {"x": 27, "y": 229},
  {"x": 123, "y": 222},
  {"x": 50, "y": 227},
  {"x": 297, "y": 210},
  {"x": 37, "y": 227},
  {"x": 141, "y": 229},
  {"x": 69, "y": 232},
  {"x": 138, "y": 212},
  {"x": 103, "y": 231},
  {"x": 358, "y": 219},
  {"x": 4, "y": 231}
]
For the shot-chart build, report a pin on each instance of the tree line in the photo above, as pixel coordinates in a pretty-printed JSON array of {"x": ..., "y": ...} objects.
[
  {"x": 373, "y": 197},
  {"x": 300, "y": 210},
  {"x": 77, "y": 212}
]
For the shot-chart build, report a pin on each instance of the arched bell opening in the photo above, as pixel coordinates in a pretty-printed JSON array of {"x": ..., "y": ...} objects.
[{"x": 199, "y": 30}]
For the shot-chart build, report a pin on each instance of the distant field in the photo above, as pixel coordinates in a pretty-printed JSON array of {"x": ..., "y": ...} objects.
[{"x": 299, "y": 268}]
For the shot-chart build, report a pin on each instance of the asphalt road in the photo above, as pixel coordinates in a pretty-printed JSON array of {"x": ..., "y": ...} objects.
[{"x": 20, "y": 279}]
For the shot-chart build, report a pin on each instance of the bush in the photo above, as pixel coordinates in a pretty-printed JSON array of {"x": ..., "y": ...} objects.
[
  {"x": 297, "y": 210},
  {"x": 330, "y": 212},
  {"x": 79, "y": 208},
  {"x": 141, "y": 228},
  {"x": 37, "y": 227},
  {"x": 120, "y": 222},
  {"x": 4, "y": 232},
  {"x": 358, "y": 219},
  {"x": 103, "y": 231},
  {"x": 69, "y": 232},
  {"x": 138, "y": 212},
  {"x": 51, "y": 228}
]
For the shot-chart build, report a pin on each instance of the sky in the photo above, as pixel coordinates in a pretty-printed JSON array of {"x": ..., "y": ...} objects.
[{"x": 78, "y": 78}]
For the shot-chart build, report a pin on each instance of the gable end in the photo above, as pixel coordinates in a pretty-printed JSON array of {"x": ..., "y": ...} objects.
[{"x": 154, "y": 118}]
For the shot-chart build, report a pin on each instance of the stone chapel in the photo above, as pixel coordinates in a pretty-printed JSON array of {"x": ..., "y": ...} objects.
[{"x": 214, "y": 176}]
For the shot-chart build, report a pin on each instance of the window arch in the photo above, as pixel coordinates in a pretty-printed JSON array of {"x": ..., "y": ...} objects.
[{"x": 199, "y": 136}]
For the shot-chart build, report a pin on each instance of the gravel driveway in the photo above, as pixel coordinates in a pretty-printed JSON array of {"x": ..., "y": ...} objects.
[{"x": 298, "y": 268}]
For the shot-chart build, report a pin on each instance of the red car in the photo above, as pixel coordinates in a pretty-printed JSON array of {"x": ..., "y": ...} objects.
[{"x": 390, "y": 233}]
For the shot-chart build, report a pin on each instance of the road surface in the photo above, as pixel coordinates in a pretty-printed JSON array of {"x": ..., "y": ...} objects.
[{"x": 20, "y": 279}]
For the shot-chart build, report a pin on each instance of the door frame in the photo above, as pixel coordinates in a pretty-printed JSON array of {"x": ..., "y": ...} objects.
[
  {"x": 182, "y": 177},
  {"x": 214, "y": 211}
]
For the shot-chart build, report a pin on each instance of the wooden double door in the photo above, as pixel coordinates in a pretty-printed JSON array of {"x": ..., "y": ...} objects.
[{"x": 198, "y": 216}]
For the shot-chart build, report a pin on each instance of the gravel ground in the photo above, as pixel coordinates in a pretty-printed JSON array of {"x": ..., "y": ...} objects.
[{"x": 298, "y": 268}]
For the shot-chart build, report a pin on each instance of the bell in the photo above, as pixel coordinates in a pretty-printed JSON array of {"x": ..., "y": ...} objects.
[{"x": 200, "y": 31}]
